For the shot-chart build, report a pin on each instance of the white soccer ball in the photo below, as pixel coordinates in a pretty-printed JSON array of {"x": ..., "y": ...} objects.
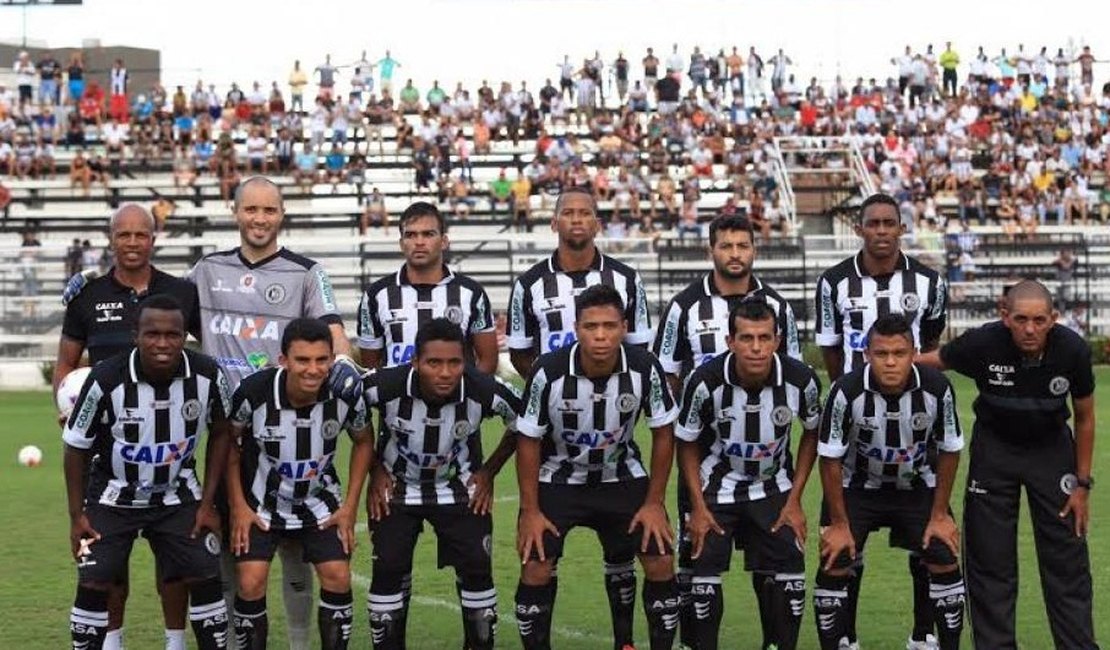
[
  {"x": 70, "y": 389},
  {"x": 30, "y": 456}
]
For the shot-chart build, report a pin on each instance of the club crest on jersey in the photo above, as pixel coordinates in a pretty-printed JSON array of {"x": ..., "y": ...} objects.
[
  {"x": 626, "y": 403},
  {"x": 190, "y": 410},
  {"x": 330, "y": 429},
  {"x": 246, "y": 283},
  {"x": 460, "y": 430},
  {"x": 1059, "y": 385},
  {"x": 919, "y": 421},
  {"x": 454, "y": 314},
  {"x": 212, "y": 543},
  {"x": 781, "y": 416},
  {"x": 910, "y": 302},
  {"x": 274, "y": 294}
]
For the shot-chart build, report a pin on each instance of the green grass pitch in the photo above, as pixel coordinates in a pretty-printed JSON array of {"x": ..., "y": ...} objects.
[{"x": 38, "y": 576}]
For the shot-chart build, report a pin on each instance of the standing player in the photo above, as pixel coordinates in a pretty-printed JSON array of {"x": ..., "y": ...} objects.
[
  {"x": 397, "y": 305},
  {"x": 142, "y": 414},
  {"x": 694, "y": 330},
  {"x": 877, "y": 281},
  {"x": 734, "y": 450},
  {"x": 578, "y": 465},
  {"x": 431, "y": 469},
  {"x": 101, "y": 320},
  {"x": 542, "y": 319},
  {"x": 1024, "y": 367},
  {"x": 282, "y": 483},
  {"x": 878, "y": 426}
]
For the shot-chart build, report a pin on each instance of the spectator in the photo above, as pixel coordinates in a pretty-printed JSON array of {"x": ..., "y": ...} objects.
[
  {"x": 49, "y": 73},
  {"x": 374, "y": 213},
  {"x": 24, "y": 70},
  {"x": 410, "y": 99},
  {"x": 305, "y": 174},
  {"x": 297, "y": 81},
  {"x": 75, "y": 76},
  {"x": 521, "y": 195},
  {"x": 326, "y": 74},
  {"x": 500, "y": 191},
  {"x": 29, "y": 253},
  {"x": 73, "y": 264},
  {"x": 335, "y": 163},
  {"x": 79, "y": 172},
  {"x": 386, "y": 65}
]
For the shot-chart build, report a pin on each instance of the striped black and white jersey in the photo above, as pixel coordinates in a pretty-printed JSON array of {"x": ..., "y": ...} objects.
[
  {"x": 541, "y": 306},
  {"x": 145, "y": 435},
  {"x": 288, "y": 453},
  {"x": 587, "y": 425},
  {"x": 849, "y": 301},
  {"x": 695, "y": 324},
  {"x": 433, "y": 447},
  {"x": 392, "y": 309},
  {"x": 744, "y": 435},
  {"x": 885, "y": 439},
  {"x": 245, "y": 306}
]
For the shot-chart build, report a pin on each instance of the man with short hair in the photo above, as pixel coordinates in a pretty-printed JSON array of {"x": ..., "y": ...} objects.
[
  {"x": 430, "y": 468},
  {"x": 282, "y": 483},
  {"x": 694, "y": 330},
  {"x": 880, "y": 426},
  {"x": 101, "y": 320},
  {"x": 144, "y": 412},
  {"x": 1024, "y": 366},
  {"x": 877, "y": 281},
  {"x": 578, "y": 465},
  {"x": 734, "y": 451}
]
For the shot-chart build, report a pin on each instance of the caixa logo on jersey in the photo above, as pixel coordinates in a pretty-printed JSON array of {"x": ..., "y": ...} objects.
[
  {"x": 245, "y": 327},
  {"x": 305, "y": 470},
  {"x": 754, "y": 450},
  {"x": 165, "y": 453},
  {"x": 893, "y": 455}
]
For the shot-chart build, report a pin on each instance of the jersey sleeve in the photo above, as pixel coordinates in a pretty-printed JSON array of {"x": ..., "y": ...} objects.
[
  {"x": 522, "y": 320},
  {"x": 371, "y": 393},
  {"x": 220, "y": 398},
  {"x": 370, "y": 332},
  {"x": 964, "y": 354},
  {"x": 1083, "y": 377},
  {"x": 829, "y": 328},
  {"x": 73, "y": 326},
  {"x": 697, "y": 410},
  {"x": 636, "y": 313},
  {"x": 81, "y": 427},
  {"x": 809, "y": 411},
  {"x": 319, "y": 297},
  {"x": 946, "y": 428},
  {"x": 671, "y": 345},
  {"x": 935, "y": 318},
  {"x": 505, "y": 402},
  {"x": 357, "y": 419},
  {"x": 832, "y": 440},
  {"x": 789, "y": 343},
  {"x": 535, "y": 420},
  {"x": 481, "y": 318},
  {"x": 241, "y": 407},
  {"x": 658, "y": 403}
]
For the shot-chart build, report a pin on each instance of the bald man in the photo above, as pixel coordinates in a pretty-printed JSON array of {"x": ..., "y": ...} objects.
[
  {"x": 1025, "y": 366},
  {"x": 101, "y": 319}
]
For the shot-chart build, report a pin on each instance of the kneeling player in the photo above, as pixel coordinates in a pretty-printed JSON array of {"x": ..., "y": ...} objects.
[
  {"x": 734, "y": 450},
  {"x": 143, "y": 412},
  {"x": 578, "y": 465},
  {"x": 282, "y": 483},
  {"x": 431, "y": 470},
  {"x": 876, "y": 429}
]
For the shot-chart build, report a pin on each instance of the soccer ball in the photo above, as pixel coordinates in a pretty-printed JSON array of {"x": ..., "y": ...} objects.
[
  {"x": 70, "y": 389},
  {"x": 30, "y": 456}
]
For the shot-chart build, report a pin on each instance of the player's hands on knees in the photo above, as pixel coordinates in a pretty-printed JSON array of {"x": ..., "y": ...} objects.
[
  {"x": 837, "y": 539},
  {"x": 381, "y": 491},
  {"x": 699, "y": 524},
  {"x": 241, "y": 521},
  {"x": 943, "y": 529},
  {"x": 81, "y": 534},
  {"x": 481, "y": 492},
  {"x": 652, "y": 518},
  {"x": 1077, "y": 506},
  {"x": 343, "y": 520},
  {"x": 207, "y": 519},
  {"x": 792, "y": 515},
  {"x": 530, "y": 527}
]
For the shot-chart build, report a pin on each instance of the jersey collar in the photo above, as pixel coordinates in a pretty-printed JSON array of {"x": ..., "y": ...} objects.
[
  {"x": 262, "y": 262},
  {"x": 872, "y": 385},
  {"x": 733, "y": 378},
  {"x": 412, "y": 386},
  {"x": 598, "y": 263},
  {"x": 710, "y": 287},
  {"x": 575, "y": 367},
  {"x": 403, "y": 276},
  {"x": 135, "y": 369},
  {"x": 857, "y": 262}
]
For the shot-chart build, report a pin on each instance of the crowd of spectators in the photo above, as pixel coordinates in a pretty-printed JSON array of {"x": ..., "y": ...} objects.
[{"x": 1014, "y": 139}]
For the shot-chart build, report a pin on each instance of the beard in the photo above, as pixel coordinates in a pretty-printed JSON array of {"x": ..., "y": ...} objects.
[{"x": 734, "y": 275}]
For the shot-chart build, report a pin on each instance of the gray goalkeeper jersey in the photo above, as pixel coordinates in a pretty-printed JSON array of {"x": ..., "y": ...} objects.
[{"x": 245, "y": 306}]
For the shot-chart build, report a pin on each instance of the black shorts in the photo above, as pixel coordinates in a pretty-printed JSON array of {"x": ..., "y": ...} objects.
[
  {"x": 565, "y": 82},
  {"x": 25, "y": 93},
  {"x": 464, "y": 539},
  {"x": 167, "y": 528},
  {"x": 318, "y": 546},
  {"x": 607, "y": 509},
  {"x": 905, "y": 512},
  {"x": 748, "y": 525}
]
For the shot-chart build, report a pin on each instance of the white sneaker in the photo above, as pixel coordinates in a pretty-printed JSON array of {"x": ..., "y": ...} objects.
[
  {"x": 930, "y": 643},
  {"x": 848, "y": 645}
]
